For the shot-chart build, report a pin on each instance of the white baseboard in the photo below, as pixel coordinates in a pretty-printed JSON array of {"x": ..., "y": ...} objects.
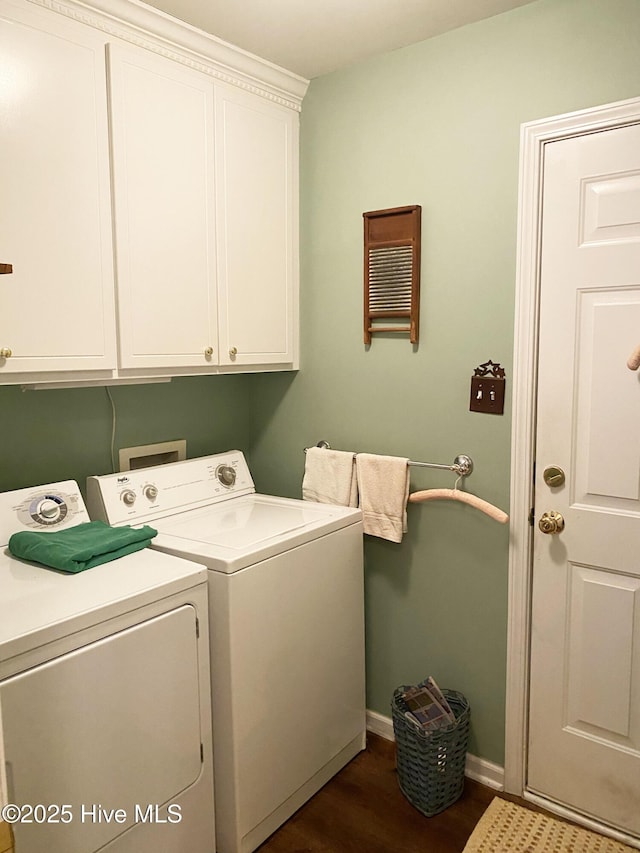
[
  {"x": 380, "y": 725},
  {"x": 486, "y": 772},
  {"x": 478, "y": 769}
]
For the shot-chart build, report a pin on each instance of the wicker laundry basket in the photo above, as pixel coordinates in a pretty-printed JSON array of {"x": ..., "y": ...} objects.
[{"x": 431, "y": 764}]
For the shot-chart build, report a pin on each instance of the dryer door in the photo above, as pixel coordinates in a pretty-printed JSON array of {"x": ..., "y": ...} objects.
[{"x": 107, "y": 730}]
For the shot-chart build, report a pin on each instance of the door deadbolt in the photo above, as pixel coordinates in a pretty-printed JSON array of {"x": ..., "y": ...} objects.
[
  {"x": 551, "y": 522},
  {"x": 553, "y": 476}
]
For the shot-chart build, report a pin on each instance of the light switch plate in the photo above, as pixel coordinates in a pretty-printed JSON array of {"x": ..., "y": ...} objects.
[
  {"x": 487, "y": 389},
  {"x": 487, "y": 395}
]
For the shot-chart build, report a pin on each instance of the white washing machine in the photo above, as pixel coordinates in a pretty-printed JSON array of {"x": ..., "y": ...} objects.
[
  {"x": 105, "y": 711},
  {"x": 287, "y": 629}
]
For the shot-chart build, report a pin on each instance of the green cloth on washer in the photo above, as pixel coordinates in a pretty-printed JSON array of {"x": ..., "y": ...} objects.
[{"x": 81, "y": 547}]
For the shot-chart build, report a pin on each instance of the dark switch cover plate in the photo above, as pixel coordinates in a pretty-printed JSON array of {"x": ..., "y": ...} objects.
[{"x": 487, "y": 389}]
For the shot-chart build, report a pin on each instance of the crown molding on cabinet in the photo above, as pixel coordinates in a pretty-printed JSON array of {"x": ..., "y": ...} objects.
[{"x": 142, "y": 25}]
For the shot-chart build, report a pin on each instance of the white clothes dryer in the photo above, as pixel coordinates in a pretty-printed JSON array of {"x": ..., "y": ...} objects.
[
  {"x": 105, "y": 712},
  {"x": 286, "y": 613}
]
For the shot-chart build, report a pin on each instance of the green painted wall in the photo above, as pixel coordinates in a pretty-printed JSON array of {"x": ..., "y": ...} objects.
[
  {"x": 435, "y": 124},
  {"x": 66, "y": 434}
]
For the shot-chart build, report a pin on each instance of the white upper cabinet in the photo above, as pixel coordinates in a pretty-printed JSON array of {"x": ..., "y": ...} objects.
[
  {"x": 56, "y": 308},
  {"x": 163, "y": 188},
  {"x": 257, "y": 211},
  {"x": 149, "y": 178}
]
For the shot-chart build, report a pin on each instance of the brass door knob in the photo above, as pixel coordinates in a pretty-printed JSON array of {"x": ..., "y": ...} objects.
[
  {"x": 5, "y": 352},
  {"x": 208, "y": 352},
  {"x": 233, "y": 352},
  {"x": 551, "y": 522}
]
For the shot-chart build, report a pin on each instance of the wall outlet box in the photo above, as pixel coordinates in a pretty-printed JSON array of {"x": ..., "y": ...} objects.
[{"x": 148, "y": 455}]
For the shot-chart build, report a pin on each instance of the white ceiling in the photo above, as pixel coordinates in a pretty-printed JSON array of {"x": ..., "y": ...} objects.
[{"x": 314, "y": 38}]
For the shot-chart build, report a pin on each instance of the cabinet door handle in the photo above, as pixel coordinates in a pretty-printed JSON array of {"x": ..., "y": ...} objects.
[
  {"x": 208, "y": 352},
  {"x": 5, "y": 352},
  {"x": 233, "y": 352}
]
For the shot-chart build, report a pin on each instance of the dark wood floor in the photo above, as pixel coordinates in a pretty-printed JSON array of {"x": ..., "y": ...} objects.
[{"x": 362, "y": 810}]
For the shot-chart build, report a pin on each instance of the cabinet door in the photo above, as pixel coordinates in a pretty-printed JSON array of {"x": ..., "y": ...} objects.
[
  {"x": 162, "y": 141},
  {"x": 56, "y": 308},
  {"x": 257, "y": 210}
]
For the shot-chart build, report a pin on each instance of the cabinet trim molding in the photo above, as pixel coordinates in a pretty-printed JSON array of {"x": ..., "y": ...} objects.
[{"x": 156, "y": 31}]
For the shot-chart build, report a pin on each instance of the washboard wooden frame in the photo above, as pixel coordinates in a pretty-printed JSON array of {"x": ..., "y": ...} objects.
[{"x": 392, "y": 270}]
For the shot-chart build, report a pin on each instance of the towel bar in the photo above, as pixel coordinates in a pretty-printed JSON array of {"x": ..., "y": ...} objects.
[{"x": 462, "y": 464}]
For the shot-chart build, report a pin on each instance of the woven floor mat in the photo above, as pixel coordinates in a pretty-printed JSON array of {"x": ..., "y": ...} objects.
[{"x": 508, "y": 828}]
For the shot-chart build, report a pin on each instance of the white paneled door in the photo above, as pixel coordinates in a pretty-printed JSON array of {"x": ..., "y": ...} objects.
[{"x": 584, "y": 715}]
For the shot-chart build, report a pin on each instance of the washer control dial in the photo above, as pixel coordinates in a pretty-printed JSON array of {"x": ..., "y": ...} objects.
[
  {"x": 128, "y": 497},
  {"x": 226, "y": 475},
  {"x": 150, "y": 492}
]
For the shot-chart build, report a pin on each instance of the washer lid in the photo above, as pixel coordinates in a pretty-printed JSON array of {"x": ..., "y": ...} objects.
[
  {"x": 245, "y": 530},
  {"x": 243, "y": 523}
]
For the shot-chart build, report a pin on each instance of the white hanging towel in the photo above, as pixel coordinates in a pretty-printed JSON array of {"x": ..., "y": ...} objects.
[
  {"x": 330, "y": 477},
  {"x": 383, "y": 483}
]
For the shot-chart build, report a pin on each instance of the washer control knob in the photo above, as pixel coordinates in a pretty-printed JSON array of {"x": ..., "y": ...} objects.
[
  {"x": 150, "y": 492},
  {"x": 49, "y": 509},
  {"x": 226, "y": 475},
  {"x": 128, "y": 497}
]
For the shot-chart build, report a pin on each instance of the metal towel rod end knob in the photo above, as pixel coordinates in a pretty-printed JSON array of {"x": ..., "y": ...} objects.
[{"x": 463, "y": 465}]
